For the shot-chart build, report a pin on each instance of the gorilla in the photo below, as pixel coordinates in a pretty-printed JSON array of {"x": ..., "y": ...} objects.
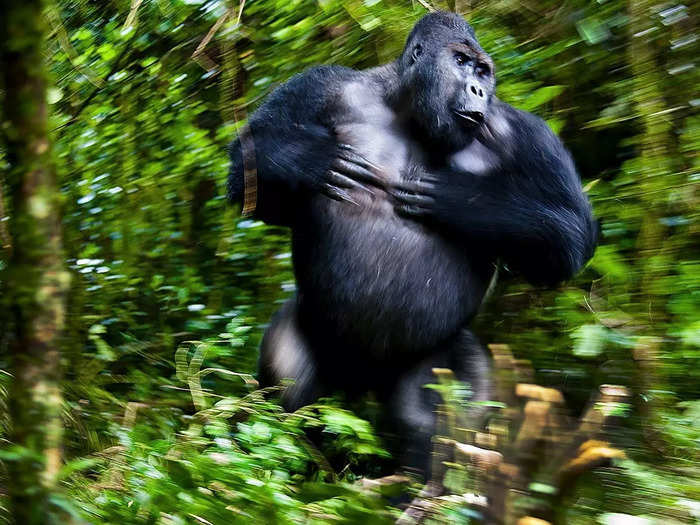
[{"x": 403, "y": 186}]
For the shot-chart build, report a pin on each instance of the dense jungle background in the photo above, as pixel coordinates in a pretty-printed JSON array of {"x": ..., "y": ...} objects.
[{"x": 134, "y": 298}]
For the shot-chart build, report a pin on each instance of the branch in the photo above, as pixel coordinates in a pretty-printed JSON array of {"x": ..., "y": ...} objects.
[
  {"x": 5, "y": 238},
  {"x": 131, "y": 18},
  {"x": 199, "y": 56}
]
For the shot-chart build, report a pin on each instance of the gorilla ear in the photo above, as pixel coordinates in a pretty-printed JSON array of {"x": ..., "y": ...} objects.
[{"x": 417, "y": 52}]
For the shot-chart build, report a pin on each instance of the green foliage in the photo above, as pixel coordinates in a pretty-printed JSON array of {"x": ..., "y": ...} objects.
[
  {"x": 241, "y": 460},
  {"x": 235, "y": 459}
]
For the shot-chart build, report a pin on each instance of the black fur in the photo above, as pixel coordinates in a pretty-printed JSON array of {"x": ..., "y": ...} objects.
[
  {"x": 403, "y": 185},
  {"x": 294, "y": 143}
]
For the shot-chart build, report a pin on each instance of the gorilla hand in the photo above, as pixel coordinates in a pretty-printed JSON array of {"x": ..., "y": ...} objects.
[
  {"x": 350, "y": 170},
  {"x": 417, "y": 199},
  {"x": 447, "y": 201}
]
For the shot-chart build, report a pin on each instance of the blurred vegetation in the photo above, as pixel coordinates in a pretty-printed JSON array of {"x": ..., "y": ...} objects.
[{"x": 171, "y": 289}]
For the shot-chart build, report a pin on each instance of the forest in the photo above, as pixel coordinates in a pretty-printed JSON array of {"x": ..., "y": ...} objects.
[{"x": 134, "y": 297}]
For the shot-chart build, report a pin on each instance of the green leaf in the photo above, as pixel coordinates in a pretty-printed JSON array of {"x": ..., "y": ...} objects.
[
  {"x": 541, "y": 97},
  {"x": 590, "y": 340},
  {"x": 592, "y": 30},
  {"x": 77, "y": 465}
]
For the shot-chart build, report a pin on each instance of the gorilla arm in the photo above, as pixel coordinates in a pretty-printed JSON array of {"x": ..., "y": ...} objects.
[
  {"x": 528, "y": 209},
  {"x": 295, "y": 147},
  {"x": 290, "y": 147}
]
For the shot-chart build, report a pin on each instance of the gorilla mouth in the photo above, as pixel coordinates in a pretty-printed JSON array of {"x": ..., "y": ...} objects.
[{"x": 474, "y": 118}]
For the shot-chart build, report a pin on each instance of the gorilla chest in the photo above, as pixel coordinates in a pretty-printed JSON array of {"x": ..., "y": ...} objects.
[
  {"x": 369, "y": 125},
  {"x": 378, "y": 279},
  {"x": 372, "y": 226}
]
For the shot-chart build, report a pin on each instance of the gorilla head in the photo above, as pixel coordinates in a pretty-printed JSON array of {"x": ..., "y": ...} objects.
[{"x": 446, "y": 79}]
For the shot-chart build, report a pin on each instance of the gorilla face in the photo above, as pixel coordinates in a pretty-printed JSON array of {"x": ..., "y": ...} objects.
[
  {"x": 447, "y": 81},
  {"x": 468, "y": 81}
]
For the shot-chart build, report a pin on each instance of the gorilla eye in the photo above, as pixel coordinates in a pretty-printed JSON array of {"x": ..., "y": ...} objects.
[
  {"x": 483, "y": 69},
  {"x": 462, "y": 59}
]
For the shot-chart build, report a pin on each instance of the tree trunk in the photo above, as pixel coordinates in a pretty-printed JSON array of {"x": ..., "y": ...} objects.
[{"x": 35, "y": 279}]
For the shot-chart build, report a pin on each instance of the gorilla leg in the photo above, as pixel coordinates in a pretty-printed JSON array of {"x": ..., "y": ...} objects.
[
  {"x": 414, "y": 407},
  {"x": 285, "y": 354}
]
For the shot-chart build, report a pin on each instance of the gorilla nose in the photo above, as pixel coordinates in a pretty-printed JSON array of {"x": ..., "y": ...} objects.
[{"x": 476, "y": 90}]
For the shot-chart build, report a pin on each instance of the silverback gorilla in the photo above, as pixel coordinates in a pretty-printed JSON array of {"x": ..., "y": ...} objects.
[{"x": 403, "y": 185}]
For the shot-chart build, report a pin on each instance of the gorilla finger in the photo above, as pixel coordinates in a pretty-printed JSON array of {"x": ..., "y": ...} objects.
[
  {"x": 337, "y": 194},
  {"x": 413, "y": 199},
  {"x": 359, "y": 168},
  {"x": 416, "y": 187},
  {"x": 341, "y": 181},
  {"x": 411, "y": 211},
  {"x": 357, "y": 172},
  {"x": 402, "y": 188},
  {"x": 351, "y": 150},
  {"x": 353, "y": 156},
  {"x": 429, "y": 179}
]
